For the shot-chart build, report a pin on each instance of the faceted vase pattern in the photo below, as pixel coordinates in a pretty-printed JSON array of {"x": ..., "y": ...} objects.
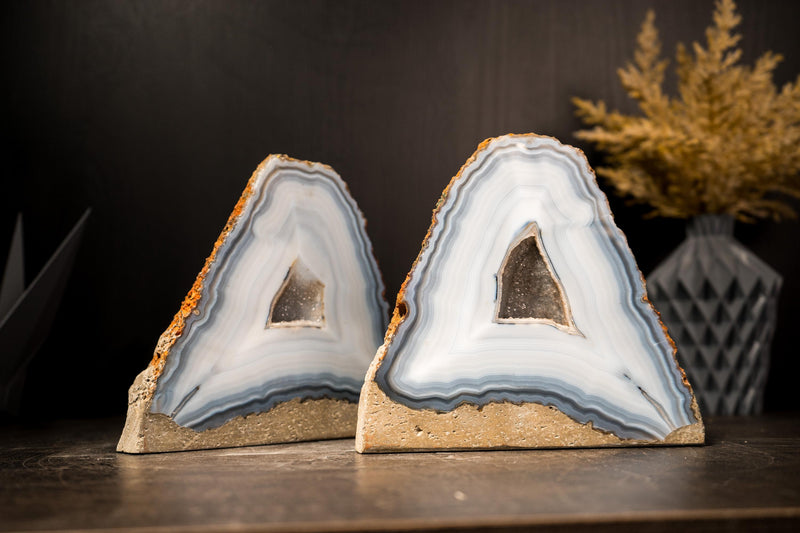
[{"x": 719, "y": 301}]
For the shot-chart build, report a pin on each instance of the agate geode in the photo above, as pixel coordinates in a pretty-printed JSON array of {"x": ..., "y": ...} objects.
[
  {"x": 272, "y": 342},
  {"x": 524, "y": 321}
]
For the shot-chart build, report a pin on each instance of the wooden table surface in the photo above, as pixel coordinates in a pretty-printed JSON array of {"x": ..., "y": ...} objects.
[{"x": 66, "y": 476}]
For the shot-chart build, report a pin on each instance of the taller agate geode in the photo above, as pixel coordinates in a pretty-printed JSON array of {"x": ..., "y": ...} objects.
[
  {"x": 272, "y": 342},
  {"x": 524, "y": 321}
]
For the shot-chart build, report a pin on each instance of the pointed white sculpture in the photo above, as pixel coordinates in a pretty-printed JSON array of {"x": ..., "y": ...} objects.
[
  {"x": 272, "y": 342},
  {"x": 524, "y": 321}
]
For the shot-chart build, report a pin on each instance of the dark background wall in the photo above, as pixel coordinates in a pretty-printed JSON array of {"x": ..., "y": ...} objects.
[{"x": 156, "y": 113}]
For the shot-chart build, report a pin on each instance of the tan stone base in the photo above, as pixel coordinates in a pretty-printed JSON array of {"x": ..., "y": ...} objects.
[
  {"x": 295, "y": 420},
  {"x": 387, "y": 426}
]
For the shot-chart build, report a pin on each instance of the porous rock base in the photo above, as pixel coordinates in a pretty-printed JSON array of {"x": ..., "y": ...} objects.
[
  {"x": 387, "y": 426},
  {"x": 292, "y": 421}
]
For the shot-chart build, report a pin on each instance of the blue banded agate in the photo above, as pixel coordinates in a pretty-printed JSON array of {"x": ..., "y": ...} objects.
[
  {"x": 291, "y": 307},
  {"x": 602, "y": 357}
]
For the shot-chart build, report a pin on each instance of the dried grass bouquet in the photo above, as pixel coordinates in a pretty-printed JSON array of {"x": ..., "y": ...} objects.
[{"x": 730, "y": 144}]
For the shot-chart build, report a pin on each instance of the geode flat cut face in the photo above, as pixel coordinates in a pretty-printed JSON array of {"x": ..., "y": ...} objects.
[
  {"x": 525, "y": 296},
  {"x": 289, "y": 308}
]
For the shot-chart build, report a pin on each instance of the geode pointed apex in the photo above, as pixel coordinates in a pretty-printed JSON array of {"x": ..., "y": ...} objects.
[
  {"x": 272, "y": 342},
  {"x": 524, "y": 322}
]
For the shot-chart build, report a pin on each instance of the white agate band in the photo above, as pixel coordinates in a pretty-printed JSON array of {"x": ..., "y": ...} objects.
[
  {"x": 299, "y": 237},
  {"x": 610, "y": 363}
]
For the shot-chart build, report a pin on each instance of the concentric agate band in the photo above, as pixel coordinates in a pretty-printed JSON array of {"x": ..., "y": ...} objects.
[
  {"x": 614, "y": 366},
  {"x": 231, "y": 359}
]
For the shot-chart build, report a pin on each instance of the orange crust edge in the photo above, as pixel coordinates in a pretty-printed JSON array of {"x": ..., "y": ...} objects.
[{"x": 193, "y": 298}]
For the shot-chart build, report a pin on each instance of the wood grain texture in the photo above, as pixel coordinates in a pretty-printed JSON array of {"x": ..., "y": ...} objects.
[
  {"x": 152, "y": 113},
  {"x": 67, "y": 477}
]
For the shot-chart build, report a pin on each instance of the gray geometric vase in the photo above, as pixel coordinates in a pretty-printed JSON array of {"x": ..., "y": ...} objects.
[{"x": 718, "y": 301}]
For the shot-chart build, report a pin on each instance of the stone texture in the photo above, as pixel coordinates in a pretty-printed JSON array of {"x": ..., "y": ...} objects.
[
  {"x": 272, "y": 341},
  {"x": 473, "y": 358},
  {"x": 292, "y": 421},
  {"x": 388, "y": 426}
]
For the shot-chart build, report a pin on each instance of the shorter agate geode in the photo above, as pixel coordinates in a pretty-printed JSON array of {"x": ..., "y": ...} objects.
[
  {"x": 524, "y": 321},
  {"x": 272, "y": 341}
]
